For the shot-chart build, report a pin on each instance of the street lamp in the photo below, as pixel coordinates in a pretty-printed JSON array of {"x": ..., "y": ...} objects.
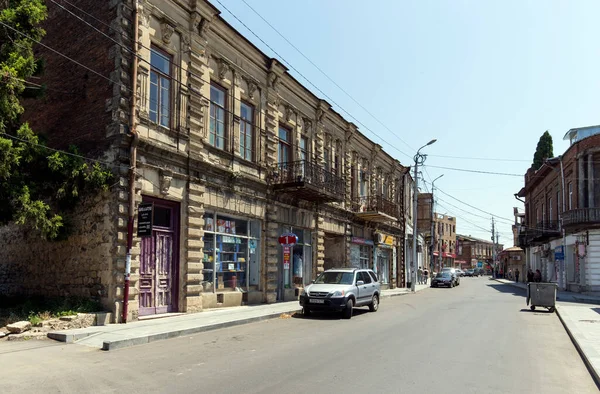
[
  {"x": 419, "y": 159},
  {"x": 431, "y": 259}
]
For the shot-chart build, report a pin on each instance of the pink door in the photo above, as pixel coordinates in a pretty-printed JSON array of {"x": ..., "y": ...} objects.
[{"x": 158, "y": 264}]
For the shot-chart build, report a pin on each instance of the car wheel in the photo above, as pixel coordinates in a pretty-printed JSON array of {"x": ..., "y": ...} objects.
[
  {"x": 374, "y": 304},
  {"x": 306, "y": 311},
  {"x": 347, "y": 312}
]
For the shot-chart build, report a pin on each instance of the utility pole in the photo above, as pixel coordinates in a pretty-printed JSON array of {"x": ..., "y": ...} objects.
[
  {"x": 432, "y": 259},
  {"x": 493, "y": 249}
]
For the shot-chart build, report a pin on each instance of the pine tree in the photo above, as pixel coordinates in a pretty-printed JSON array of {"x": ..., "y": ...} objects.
[
  {"x": 37, "y": 185},
  {"x": 543, "y": 151}
]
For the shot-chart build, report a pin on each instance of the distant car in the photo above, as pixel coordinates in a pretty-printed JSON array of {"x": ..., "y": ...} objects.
[
  {"x": 444, "y": 278},
  {"x": 453, "y": 272},
  {"x": 340, "y": 290},
  {"x": 460, "y": 272},
  {"x": 469, "y": 272}
]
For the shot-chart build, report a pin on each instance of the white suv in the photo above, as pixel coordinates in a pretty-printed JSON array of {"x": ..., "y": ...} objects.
[{"x": 341, "y": 290}]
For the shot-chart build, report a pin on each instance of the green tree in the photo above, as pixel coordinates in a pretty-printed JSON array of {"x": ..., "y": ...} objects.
[
  {"x": 37, "y": 185},
  {"x": 543, "y": 151}
]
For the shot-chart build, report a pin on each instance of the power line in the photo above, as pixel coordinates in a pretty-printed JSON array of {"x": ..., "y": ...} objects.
[
  {"x": 479, "y": 158},
  {"x": 474, "y": 171},
  {"x": 325, "y": 74},
  {"x": 471, "y": 206},
  {"x": 307, "y": 80}
]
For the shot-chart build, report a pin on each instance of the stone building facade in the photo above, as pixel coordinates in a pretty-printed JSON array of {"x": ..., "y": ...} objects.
[
  {"x": 475, "y": 252},
  {"x": 560, "y": 229},
  {"x": 231, "y": 152}
]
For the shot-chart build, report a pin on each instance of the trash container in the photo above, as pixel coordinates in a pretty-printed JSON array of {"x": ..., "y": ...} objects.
[{"x": 541, "y": 294}]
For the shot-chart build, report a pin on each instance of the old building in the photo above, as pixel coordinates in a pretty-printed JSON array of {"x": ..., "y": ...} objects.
[
  {"x": 224, "y": 152},
  {"x": 475, "y": 252},
  {"x": 444, "y": 241},
  {"x": 560, "y": 231}
]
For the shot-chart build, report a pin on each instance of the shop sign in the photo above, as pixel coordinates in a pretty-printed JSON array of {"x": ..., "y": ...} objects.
[
  {"x": 288, "y": 239},
  {"x": 362, "y": 241},
  {"x": 286, "y": 257},
  {"x": 385, "y": 239},
  {"x": 479, "y": 264},
  {"x": 144, "y": 226},
  {"x": 559, "y": 253}
]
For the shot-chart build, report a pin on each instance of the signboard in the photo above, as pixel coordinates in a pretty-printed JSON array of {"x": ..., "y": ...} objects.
[
  {"x": 362, "y": 241},
  {"x": 479, "y": 264},
  {"x": 559, "y": 253},
  {"x": 288, "y": 239},
  {"x": 286, "y": 257},
  {"x": 145, "y": 214},
  {"x": 385, "y": 239}
]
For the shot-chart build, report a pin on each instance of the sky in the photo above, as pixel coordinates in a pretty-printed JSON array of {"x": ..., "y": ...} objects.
[{"x": 484, "y": 78}]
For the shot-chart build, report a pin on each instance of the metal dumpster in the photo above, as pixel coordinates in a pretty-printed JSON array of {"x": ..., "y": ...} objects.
[{"x": 541, "y": 294}]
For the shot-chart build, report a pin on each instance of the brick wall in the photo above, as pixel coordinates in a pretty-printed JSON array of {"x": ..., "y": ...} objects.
[{"x": 74, "y": 109}]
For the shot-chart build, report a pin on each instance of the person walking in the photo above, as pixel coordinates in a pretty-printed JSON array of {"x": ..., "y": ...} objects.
[
  {"x": 510, "y": 274},
  {"x": 529, "y": 275},
  {"x": 425, "y": 275},
  {"x": 420, "y": 275},
  {"x": 537, "y": 277},
  {"x": 517, "y": 275}
]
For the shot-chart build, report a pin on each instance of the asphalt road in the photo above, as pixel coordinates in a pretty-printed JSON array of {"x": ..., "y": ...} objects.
[{"x": 476, "y": 338}]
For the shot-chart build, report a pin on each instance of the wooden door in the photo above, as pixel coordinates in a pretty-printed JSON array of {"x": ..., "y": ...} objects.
[{"x": 158, "y": 264}]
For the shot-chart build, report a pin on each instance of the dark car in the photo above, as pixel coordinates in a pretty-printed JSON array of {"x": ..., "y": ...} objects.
[
  {"x": 444, "y": 279},
  {"x": 470, "y": 272}
]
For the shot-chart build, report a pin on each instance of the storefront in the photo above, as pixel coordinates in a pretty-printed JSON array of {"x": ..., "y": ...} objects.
[
  {"x": 384, "y": 256},
  {"x": 361, "y": 252},
  {"x": 231, "y": 253},
  {"x": 298, "y": 272}
]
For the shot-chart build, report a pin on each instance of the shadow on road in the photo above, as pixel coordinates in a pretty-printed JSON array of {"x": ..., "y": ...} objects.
[
  {"x": 502, "y": 288},
  {"x": 316, "y": 315}
]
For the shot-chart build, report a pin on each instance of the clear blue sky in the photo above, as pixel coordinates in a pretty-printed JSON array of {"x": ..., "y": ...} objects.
[{"x": 486, "y": 78}]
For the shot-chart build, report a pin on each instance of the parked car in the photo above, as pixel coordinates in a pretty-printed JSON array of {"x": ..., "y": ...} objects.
[
  {"x": 341, "y": 290},
  {"x": 470, "y": 272},
  {"x": 444, "y": 278},
  {"x": 453, "y": 272},
  {"x": 460, "y": 272}
]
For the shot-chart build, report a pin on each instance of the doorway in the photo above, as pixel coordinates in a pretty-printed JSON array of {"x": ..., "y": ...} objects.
[{"x": 159, "y": 263}]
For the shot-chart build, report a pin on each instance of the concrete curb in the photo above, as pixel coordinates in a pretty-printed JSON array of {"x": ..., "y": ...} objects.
[
  {"x": 69, "y": 338},
  {"x": 122, "y": 343},
  {"x": 580, "y": 349}
]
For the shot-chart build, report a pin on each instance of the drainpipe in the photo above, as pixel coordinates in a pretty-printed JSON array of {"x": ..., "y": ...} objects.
[
  {"x": 563, "y": 279},
  {"x": 132, "y": 160}
]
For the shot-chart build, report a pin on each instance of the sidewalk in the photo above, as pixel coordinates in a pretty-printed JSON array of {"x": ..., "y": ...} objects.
[
  {"x": 115, "y": 336},
  {"x": 578, "y": 313}
]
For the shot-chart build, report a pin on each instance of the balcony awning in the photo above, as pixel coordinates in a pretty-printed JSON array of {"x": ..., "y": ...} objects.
[{"x": 449, "y": 255}]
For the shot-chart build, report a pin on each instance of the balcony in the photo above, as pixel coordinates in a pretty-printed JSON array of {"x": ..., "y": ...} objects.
[
  {"x": 584, "y": 217},
  {"x": 541, "y": 233},
  {"x": 308, "y": 181},
  {"x": 375, "y": 209}
]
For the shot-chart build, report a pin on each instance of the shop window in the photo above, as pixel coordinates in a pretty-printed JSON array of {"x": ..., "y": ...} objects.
[
  {"x": 230, "y": 253},
  {"x": 299, "y": 273},
  {"x": 160, "y": 87},
  {"x": 161, "y": 217}
]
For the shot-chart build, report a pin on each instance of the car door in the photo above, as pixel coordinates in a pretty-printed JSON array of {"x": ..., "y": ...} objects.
[{"x": 367, "y": 289}]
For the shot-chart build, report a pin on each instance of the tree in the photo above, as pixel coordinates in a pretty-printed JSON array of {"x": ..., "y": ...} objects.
[
  {"x": 37, "y": 184},
  {"x": 543, "y": 151}
]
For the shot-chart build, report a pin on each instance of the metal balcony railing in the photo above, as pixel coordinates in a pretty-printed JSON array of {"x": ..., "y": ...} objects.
[
  {"x": 582, "y": 216},
  {"x": 304, "y": 173},
  {"x": 375, "y": 204}
]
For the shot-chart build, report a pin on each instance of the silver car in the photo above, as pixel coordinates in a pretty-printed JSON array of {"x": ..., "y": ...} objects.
[
  {"x": 340, "y": 290},
  {"x": 454, "y": 273}
]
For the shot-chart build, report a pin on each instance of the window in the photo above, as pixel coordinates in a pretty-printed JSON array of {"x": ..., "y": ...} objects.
[
  {"x": 364, "y": 277},
  {"x": 353, "y": 181},
  {"x": 336, "y": 164},
  {"x": 160, "y": 87},
  {"x": 557, "y": 204},
  {"x": 303, "y": 148},
  {"x": 550, "y": 210},
  {"x": 218, "y": 104},
  {"x": 326, "y": 158},
  {"x": 246, "y": 131},
  {"x": 373, "y": 275},
  {"x": 570, "y": 195},
  {"x": 285, "y": 147},
  {"x": 362, "y": 182},
  {"x": 543, "y": 214}
]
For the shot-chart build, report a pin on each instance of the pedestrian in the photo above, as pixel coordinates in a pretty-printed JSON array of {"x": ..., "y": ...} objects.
[
  {"x": 537, "y": 277},
  {"x": 529, "y": 275},
  {"x": 420, "y": 275},
  {"x": 510, "y": 274},
  {"x": 517, "y": 275},
  {"x": 425, "y": 275}
]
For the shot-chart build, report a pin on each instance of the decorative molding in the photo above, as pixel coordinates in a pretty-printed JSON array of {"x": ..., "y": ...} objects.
[
  {"x": 289, "y": 113},
  {"x": 186, "y": 42},
  {"x": 252, "y": 86},
  {"x": 166, "y": 31},
  {"x": 307, "y": 125},
  {"x": 223, "y": 68},
  {"x": 165, "y": 178},
  {"x": 273, "y": 81},
  {"x": 274, "y": 100},
  {"x": 320, "y": 114},
  {"x": 145, "y": 13},
  {"x": 237, "y": 79},
  {"x": 202, "y": 25}
]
